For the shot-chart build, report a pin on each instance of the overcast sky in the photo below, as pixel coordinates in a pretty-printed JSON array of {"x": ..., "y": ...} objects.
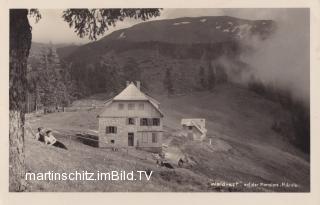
[{"x": 52, "y": 27}]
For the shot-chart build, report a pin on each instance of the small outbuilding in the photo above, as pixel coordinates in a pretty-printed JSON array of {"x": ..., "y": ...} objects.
[{"x": 194, "y": 128}]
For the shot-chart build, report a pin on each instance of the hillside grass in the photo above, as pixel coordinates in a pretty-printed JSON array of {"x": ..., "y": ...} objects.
[{"x": 244, "y": 147}]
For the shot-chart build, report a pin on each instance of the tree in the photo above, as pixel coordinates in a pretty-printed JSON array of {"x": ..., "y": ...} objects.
[
  {"x": 70, "y": 83},
  {"x": 132, "y": 70},
  {"x": 167, "y": 82},
  {"x": 110, "y": 72},
  {"x": 20, "y": 42},
  {"x": 202, "y": 78},
  {"x": 32, "y": 79},
  {"x": 57, "y": 88},
  {"x": 86, "y": 22},
  {"x": 94, "y": 22},
  {"x": 211, "y": 77},
  {"x": 221, "y": 75},
  {"x": 46, "y": 79}
]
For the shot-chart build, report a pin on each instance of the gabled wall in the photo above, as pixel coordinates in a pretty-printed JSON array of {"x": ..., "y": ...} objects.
[
  {"x": 112, "y": 116},
  {"x": 112, "y": 110}
]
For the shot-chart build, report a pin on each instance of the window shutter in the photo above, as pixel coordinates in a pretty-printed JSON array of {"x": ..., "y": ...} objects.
[{"x": 154, "y": 138}]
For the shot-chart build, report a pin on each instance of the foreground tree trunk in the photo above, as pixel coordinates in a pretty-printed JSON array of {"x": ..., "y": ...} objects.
[{"x": 20, "y": 42}]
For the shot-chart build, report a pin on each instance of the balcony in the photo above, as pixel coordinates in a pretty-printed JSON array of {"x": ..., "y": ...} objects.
[{"x": 149, "y": 128}]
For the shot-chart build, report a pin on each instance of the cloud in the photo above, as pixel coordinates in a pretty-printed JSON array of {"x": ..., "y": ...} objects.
[{"x": 283, "y": 59}]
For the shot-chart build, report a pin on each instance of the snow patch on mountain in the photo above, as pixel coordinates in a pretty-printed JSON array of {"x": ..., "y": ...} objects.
[
  {"x": 122, "y": 35},
  {"x": 234, "y": 29},
  {"x": 244, "y": 30},
  {"x": 179, "y": 23}
]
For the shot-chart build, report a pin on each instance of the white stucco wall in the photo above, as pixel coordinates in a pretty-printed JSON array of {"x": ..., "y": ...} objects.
[
  {"x": 194, "y": 132},
  {"x": 112, "y": 116}
]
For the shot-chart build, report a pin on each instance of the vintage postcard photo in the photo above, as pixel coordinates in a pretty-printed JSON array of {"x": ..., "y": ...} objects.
[{"x": 159, "y": 100}]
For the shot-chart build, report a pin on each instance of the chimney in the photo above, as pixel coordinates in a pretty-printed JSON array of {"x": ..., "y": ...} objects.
[
  {"x": 127, "y": 83},
  {"x": 138, "y": 84}
]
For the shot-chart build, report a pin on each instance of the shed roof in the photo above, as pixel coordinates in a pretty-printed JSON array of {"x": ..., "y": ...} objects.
[{"x": 195, "y": 122}]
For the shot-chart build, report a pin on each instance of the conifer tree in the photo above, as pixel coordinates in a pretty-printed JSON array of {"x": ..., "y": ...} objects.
[
  {"x": 167, "y": 82},
  {"x": 111, "y": 74},
  {"x": 211, "y": 77},
  {"x": 132, "y": 70},
  {"x": 202, "y": 78}
]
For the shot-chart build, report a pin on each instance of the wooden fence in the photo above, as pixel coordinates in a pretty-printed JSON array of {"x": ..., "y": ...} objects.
[{"x": 77, "y": 108}]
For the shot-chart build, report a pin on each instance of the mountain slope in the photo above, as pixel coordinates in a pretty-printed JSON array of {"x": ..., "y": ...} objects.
[
  {"x": 189, "y": 30},
  {"x": 199, "y": 30},
  {"x": 244, "y": 148},
  {"x": 180, "y": 45}
]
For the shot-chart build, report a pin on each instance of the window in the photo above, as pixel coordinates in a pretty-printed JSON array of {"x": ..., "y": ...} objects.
[
  {"x": 149, "y": 121},
  {"x": 131, "y": 106},
  {"x": 190, "y": 127},
  {"x": 112, "y": 141},
  {"x": 154, "y": 137},
  {"x": 141, "y": 106},
  {"x": 120, "y": 106},
  {"x": 144, "y": 137},
  {"x": 155, "y": 121},
  {"x": 131, "y": 121},
  {"x": 111, "y": 129},
  {"x": 144, "y": 121}
]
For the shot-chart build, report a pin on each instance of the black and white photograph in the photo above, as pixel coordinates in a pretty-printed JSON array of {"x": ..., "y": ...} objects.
[{"x": 159, "y": 100}]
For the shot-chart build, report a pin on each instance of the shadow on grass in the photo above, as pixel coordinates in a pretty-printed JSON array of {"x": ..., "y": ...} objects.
[{"x": 88, "y": 139}]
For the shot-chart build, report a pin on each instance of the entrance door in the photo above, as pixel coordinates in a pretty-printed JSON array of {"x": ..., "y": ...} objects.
[{"x": 130, "y": 139}]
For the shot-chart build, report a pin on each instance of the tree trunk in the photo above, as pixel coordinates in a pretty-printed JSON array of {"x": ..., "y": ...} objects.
[{"x": 20, "y": 42}]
